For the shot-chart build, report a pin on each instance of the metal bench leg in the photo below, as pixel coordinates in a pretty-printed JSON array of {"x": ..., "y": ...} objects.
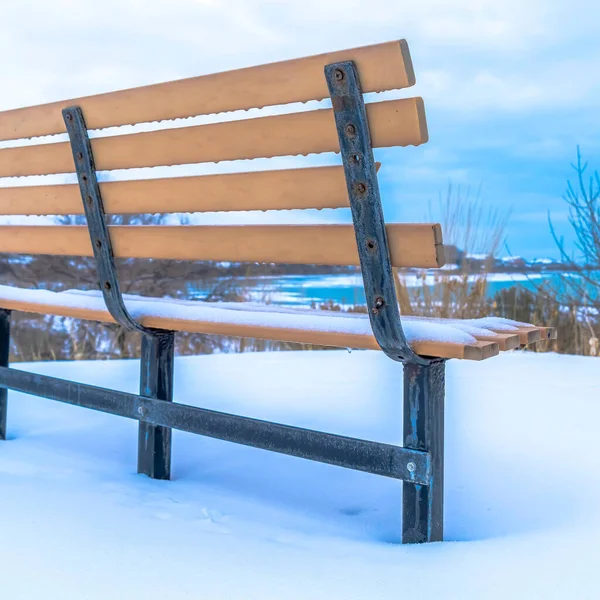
[
  {"x": 4, "y": 353},
  {"x": 423, "y": 505},
  {"x": 156, "y": 381}
]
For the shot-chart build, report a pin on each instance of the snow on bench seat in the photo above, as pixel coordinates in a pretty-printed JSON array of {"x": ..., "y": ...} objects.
[{"x": 471, "y": 339}]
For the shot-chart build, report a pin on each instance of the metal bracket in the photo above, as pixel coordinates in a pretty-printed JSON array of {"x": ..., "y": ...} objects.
[
  {"x": 367, "y": 212},
  {"x": 96, "y": 221},
  {"x": 396, "y": 462}
]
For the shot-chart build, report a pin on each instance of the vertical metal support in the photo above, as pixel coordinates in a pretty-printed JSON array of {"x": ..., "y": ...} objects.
[
  {"x": 367, "y": 213},
  {"x": 154, "y": 443},
  {"x": 83, "y": 159},
  {"x": 423, "y": 505},
  {"x": 156, "y": 381},
  {"x": 4, "y": 354},
  {"x": 423, "y": 377}
]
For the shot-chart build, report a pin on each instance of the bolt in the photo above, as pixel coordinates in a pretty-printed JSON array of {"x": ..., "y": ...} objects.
[
  {"x": 339, "y": 74},
  {"x": 350, "y": 130},
  {"x": 411, "y": 467}
]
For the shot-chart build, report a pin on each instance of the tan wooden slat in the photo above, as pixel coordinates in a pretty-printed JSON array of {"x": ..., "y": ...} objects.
[
  {"x": 479, "y": 350},
  {"x": 505, "y": 341},
  {"x": 418, "y": 245},
  {"x": 527, "y": 335},
  {"x": 548, "y": 333},
  {"x": 392, "y": 123},
  {"x": 319, "y": 187},
  {"x": 381, "y": 67}
]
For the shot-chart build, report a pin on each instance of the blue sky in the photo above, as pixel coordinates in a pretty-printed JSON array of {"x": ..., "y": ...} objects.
[{"x": 510, "y": 88}]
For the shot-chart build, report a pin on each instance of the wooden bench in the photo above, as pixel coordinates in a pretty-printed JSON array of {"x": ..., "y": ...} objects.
[{"x": 349, "y": 127}]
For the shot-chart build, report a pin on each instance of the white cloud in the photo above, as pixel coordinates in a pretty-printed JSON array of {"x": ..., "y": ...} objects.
[
  {"x": 477, "y": 61},
  {"x": 473, "y": 51}
]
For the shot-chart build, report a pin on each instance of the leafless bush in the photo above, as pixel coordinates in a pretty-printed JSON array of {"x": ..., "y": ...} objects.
[
  {"x": 571, "y": 304},
  {"x": 473, "y": 234},
  {"x": 583, "y": 201}
]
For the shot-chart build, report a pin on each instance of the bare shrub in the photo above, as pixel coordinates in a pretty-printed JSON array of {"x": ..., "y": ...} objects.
[
  {"x": 473, "y": 234},
  {"x": 571, "y": 304}
]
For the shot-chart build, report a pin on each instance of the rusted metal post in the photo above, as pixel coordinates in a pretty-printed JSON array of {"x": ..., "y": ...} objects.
[
  {"x": 154, "y": 442},
  {"x": 424, "y": 377},
  {"x": 4, "y": 354},
  {"x": 423, "y": 505},
  {"x": 367, "y": 211},
  {"x": 156, "y": 381}
]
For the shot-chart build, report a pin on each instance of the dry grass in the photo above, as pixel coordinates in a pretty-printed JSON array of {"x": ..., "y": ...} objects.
[
  {"x": 573, "y": 304},
  {"x": 42, "y": 337},
  {"x": 469, "y": 225}
]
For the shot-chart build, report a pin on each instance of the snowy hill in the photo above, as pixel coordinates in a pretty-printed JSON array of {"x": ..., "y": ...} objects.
[{"x": 522, "y": 482}]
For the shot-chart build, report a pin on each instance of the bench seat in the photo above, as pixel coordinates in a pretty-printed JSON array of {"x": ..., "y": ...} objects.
[{"x": 475, "y": 339}]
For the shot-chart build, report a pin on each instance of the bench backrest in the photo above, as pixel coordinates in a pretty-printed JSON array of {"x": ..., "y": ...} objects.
[{"x": 392, "y": 123}]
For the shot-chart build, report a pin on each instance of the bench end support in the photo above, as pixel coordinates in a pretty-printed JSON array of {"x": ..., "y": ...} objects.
[
  {"x": 423, "y": 505},
  {"x": 156, "y": 381},
  {"x": 4, "y": 354}
]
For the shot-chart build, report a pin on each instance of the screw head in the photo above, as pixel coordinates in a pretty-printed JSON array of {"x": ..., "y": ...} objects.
[
  {"x": 411, "y": 467},
  {"x": 350, "y": 129},
  {"x": 339, "y": 74}
]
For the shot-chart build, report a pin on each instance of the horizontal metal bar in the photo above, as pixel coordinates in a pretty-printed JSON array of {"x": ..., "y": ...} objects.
[{"x": 361, "y": 455}]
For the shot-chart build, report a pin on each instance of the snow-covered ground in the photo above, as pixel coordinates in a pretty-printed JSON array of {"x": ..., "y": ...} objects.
[{"x": 522, "y": 488}]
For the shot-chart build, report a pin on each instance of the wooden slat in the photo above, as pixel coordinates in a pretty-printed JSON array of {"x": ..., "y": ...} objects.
[
  {"x": 548, "y": 333},
  {"x": 527, "y": 335},
  {"x": 392, "y": 123},
  {"x": 319, "y": 187},
  {"x": 303, "y": 335},
  {"x": 478, "y": 351},
  {"x": 381, "y": 67},
  {"x": 505, "y": 341},
  {"x": 417, "y": 245}
]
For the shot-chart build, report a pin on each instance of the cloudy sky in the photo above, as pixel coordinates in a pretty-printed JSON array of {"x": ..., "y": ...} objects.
[{"x": 511, "y": 88}]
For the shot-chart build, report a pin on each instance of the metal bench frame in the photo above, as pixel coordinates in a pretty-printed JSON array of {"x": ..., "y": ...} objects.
[{"x": 419, "y": 463}]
